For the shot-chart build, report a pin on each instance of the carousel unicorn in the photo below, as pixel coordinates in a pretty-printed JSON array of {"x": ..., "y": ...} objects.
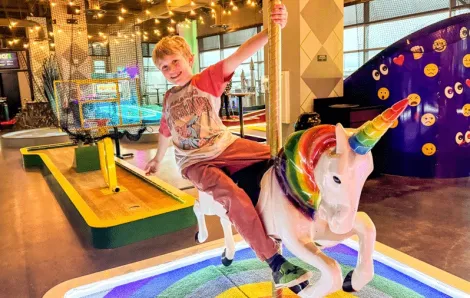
[{"x": 309, "y": 198}]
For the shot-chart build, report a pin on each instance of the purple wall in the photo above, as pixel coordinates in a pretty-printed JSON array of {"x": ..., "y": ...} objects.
[{"x": 407, "y": 69}]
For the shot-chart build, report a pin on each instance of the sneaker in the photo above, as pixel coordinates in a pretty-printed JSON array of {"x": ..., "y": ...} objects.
[{"x": 290, "y": 275}]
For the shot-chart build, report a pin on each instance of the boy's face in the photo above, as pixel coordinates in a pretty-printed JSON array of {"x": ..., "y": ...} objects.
[{"x": 176, "y": 68}]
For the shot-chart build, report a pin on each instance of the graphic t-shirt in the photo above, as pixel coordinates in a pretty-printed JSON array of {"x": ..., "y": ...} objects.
[{"x": 190, "y": 116}]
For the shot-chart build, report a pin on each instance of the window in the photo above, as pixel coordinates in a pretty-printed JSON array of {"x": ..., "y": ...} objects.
[
  {"x": 155, "y": 83},
  {"x": 98, "y": 49},
  {"x": 99, "y": 66},
  {"x": 212, "y": 49}
]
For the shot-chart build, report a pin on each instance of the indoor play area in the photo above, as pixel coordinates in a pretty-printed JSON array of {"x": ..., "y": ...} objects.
[{"x": 364, "y": 106}]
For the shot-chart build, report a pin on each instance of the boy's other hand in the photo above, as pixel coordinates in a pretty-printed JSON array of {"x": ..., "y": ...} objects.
[
  {"x": 152, "y": 167},
  {"x": 279, "y": 15}
]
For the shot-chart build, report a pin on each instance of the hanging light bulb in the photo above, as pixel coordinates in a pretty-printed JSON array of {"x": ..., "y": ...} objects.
[
  {"x": 157, "y": 21},
  {"x": 192, "y": 13},
  {"x": 171, "y": 13},
  {"x": 235, "y": 8},
  {"x": 123, "y": 10},
  {"x": 212, "y": 3},
  {"x": 25, "y": 45},
  {"x": 229, "y": 12},
  {"x": 147, "y": 12},
  {"x": 231, "y": 3},
  {"x": 192, "y": 3},
  {"x": 172, "y": 21},
  {"x": 120, "y": 18},
  {"x": 139, "y": 20}
]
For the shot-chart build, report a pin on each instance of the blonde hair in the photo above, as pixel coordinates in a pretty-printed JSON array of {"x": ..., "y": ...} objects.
[{"x": 170, "y": 45}]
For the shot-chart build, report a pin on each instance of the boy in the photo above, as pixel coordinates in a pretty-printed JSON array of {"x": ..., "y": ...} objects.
[{"x": 204, "y": 148}]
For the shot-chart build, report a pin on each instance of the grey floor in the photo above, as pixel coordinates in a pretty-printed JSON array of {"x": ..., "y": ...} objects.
[{"x": 427, "y": 219}]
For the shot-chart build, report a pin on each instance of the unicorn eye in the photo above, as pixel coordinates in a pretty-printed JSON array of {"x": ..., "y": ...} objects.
[
  {"x": 384, "y": 69},
  {"x": 458, "y": 88},
  {"x": 376, "y": 74},
  {"x": 449, "y": 92},
  {"x": 459, "y": 138},
  {"x": 336, "y": 179}
]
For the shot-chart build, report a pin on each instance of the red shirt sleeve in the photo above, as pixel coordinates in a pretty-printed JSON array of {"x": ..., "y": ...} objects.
[
  {"x": 211, "y": 79},
  {"x": 164, "y": 129}
]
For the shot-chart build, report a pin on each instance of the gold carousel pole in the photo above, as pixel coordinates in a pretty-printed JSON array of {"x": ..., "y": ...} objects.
[
  {"x": 274, "y": 77},
  {"x": 273, "y": 103}
]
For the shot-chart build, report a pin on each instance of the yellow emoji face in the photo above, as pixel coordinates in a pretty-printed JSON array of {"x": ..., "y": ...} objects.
[
  {"x": 428, "y": 119},
  {"x": 466, "y": 60},
  {"x": 428, "y": 149},
  {"x": 394, "y": 123},
  {"x": 431, "y": 70},
  {"x": 466, "y": 110},
  {"x": 418, "y": 52},
  {"x": 383, "y": 93},
  {"x": 462, "y": 139},
  {"x": 439, "y": 45},
  {"x": 414, "y": 99},
  {"x": 463, "y": 33}
]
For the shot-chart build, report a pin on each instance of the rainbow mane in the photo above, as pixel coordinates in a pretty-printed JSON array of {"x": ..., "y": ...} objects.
[{"x": 296, "y": 162}]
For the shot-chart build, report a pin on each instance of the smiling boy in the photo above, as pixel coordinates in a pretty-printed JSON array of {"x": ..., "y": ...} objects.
[{"x": 205, "y": 149}]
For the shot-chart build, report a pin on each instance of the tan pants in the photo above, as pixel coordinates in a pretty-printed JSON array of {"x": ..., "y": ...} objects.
[{"x": 208, "y": 177}]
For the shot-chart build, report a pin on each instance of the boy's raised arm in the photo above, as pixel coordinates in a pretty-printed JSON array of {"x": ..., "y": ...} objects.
[{"x": 254, "y": 44}]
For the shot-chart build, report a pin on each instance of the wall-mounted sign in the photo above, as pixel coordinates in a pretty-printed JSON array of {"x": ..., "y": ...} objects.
[
  {"x": 9, "y": 60},
  {"x": 321, "y": 58}
]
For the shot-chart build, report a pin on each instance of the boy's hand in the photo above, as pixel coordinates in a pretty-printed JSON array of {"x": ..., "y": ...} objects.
[
  {"x": 152, "y": 167},
  {"x": 279, "y": 15}
]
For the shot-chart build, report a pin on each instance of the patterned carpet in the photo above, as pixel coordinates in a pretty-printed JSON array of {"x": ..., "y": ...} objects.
[{"x": 248, "y": 277}]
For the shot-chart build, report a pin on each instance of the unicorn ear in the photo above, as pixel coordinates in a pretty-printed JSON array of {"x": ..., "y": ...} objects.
[{"x": 342, "y": 143}]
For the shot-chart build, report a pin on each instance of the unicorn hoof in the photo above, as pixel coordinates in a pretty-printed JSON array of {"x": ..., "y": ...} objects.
[
  {"x": 297, "y": 288},
  {"x": 196, "y": 237},
  {"x": 226, "y": 261},
  {"x": 347, "y": 284}
]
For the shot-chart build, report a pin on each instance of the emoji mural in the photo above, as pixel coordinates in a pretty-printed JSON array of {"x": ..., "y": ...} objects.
[{"x": 431, "y": 68}]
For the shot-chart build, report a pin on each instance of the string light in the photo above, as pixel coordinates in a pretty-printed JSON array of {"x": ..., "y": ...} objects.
[
  {"x": 147, "y": 12},
  {"x": 157, "y": 21},
  {"x": 120, "y": 18},
  {"x": 192, "y": 13},
  {"x": 212, "y": 3},
  {"x": 123, "y": 10},
  {"x": 192, "y": 3}
]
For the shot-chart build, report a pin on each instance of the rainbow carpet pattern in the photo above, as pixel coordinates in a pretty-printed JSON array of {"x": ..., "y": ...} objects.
[{"x": 203, "y": 275}]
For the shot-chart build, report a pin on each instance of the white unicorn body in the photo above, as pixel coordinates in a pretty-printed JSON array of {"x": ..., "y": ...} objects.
[{"x": 339, "y": 174}]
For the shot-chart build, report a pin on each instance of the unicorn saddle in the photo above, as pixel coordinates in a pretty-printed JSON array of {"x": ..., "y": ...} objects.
[{"x": 249, "y": 178}]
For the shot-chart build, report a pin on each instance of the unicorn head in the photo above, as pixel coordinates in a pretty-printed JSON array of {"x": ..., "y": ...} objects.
[{"x": 322, "y": 170}]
